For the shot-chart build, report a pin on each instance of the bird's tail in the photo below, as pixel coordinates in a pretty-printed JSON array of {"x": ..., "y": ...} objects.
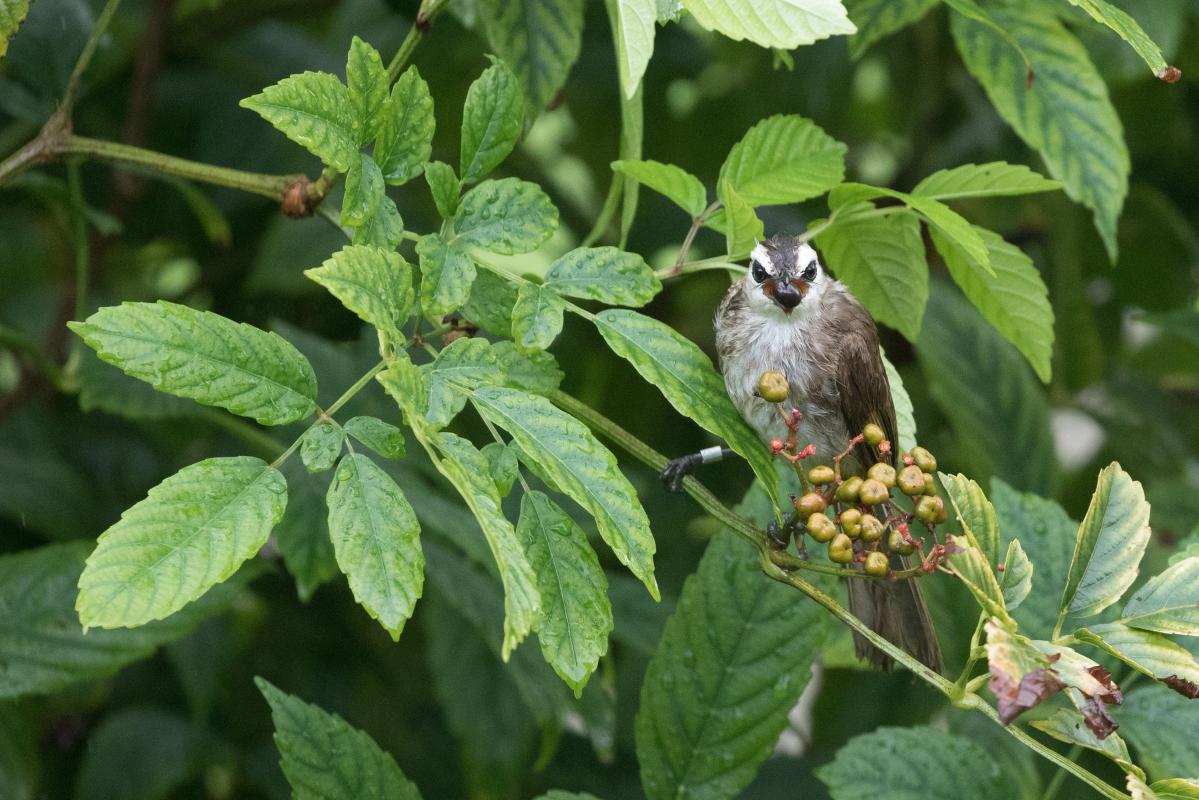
[{"x": 896, "y": 611}]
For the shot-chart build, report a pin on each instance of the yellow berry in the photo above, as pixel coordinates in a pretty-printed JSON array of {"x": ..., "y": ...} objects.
[
  {"x": 883, "y": 473},
  {"x": 927, "y": 508},
  {"x": 873, "y": 434},
  {"x": 821, "y": 528},
  {"x": 930, "y": 485},
  {"x": 897, "y": 544},
  {"x": 851, "y": 522},
  {"x": 811, "y": 503},
  {"x": 877, "y": 564},
  {"x": 820, "y": 476},
  {"x": 924, "y": 459},
  {"x": 911, "y": 481},
  {"x": 872, "y": 528},
  {"x": 840, "y": 549},
  {"x": 772, "y": 387},
  {"x": 873, "y": 492},
  {"x": 847, "y": 492}
]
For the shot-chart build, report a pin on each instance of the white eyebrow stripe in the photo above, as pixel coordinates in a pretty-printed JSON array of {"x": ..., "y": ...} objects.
[{"x": 762, "y": 256}]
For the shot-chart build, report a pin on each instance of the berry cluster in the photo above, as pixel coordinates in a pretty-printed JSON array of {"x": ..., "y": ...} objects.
[{"x": 862, "y": 519}]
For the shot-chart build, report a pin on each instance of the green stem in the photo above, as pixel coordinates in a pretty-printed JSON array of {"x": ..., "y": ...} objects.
[
  {"x": 271, "y": 186},
  {"x": 405, "y": 52},
  {"x": 611, "y": 203},
  {"x": 348, "y": 394},
  {"x": 19, "y": 342},
  {"x": 1059, "y": 776},
  {"x": 722, "y": 262},
  {"x": 973, "y": 657},
  {"x": 85, "y": 57},
  {"x": 82, "y": 257}
]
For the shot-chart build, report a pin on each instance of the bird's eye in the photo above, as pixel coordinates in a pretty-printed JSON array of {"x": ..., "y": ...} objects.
[
  {"x": 809, "y": 273},
  {"x": 757, "y": 272}
]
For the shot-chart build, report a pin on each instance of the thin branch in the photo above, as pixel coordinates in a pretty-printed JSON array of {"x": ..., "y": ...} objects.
[{"x": 85, "y": 58}]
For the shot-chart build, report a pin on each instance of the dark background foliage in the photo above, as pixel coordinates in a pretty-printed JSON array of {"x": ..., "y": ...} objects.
[{"x": 1125, "y": 381}]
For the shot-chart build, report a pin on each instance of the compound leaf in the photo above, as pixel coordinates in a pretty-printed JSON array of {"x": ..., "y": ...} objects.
[
  {"x": 314, "y": 110},
  {"x": 374, "y": 283},
  {"x": 784, "y": 159},
  {"x": 506, "y": 216}
]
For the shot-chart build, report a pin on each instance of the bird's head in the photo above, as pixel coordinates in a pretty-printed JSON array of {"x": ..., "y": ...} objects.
[{"x": 785, "y": 277}]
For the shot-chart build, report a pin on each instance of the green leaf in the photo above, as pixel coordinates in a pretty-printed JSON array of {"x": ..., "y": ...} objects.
[
  {"x": 321, "y": 445},
  {"x": 633, "y": 21},
  {"x": 1173, "y": 789},
  {"x": 367, "y": 80},
  {"x": 972, "y": 10},
  {"x": 1169, "y": 602},
  {"x": 1046, "y": 535},
  {"x": 376, "y": 538},
  {"x": 12, "y": 14},
  {"x": 536, "y": 316},
  {"x": 42, "y": 646},
  {"x": 536, "y": 371},
  {"x": 506, "y": 216},
  {"x": 467, "y": 469},
  {"x": 372, "y": 282},
  {"x": 211, "y": 359},
  {"x": 881, "y": 260},
  {"x": 785, "y": 24},
  {"x": 384, "y": 438},
  {"x": 684, "y": 375},
  {"x": 1017, "y": 575},
  {"x": 324, "y": 757},
  {"x": 314, "y": 110},
  {"x": 191, "y": 532},
  {"x": 538, "y": 39},
  {"x": 1110, "y": 543},
  {"x": 490, "y": 303},
  {"x": 1148, "y": 653},
  {"x": 1067, "y": 725},
  {"x": 1003, "y": 431},
  {"x": 492, "y": 121},
  {"x": 876, "y": 19},
  {"x": 680, "y": 186},
  {"x": 784, "y": 159},
  {"x": 444, "y": 186},
  {"x": 576, "y": 616},
  {"x": 994, "y": 179},
  {"x": 920, "y": 763},
  {"x": 446, "y": 275},
  {"x": 505, "y": 470},
  {"x": 905, "y": 417},
  {"x": 974, "y": 570},
  {"x": 975, "y": 513},
  {"x": 1065, "y": 115},
  {"x": 1013, "y": 297},
  {"x": 406, "y": 130},
  {"x": 606, "y": 274},
  {"x": 1130, "y": 31},
  {"x": 733, "y": 661},
  {"x": 384, "y": 228},
  {"x": 582, "y": 468},
  {"x": 464, "y": 365},
  {"x": 938, "y": 216},
  {"x": 743, "y": 228},
  {"x": 364, "y": 191},
  {"x": 1163, "y": 729}
]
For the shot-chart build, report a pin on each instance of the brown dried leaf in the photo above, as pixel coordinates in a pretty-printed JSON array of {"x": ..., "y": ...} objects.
[{"x": 1188, "y": 689}]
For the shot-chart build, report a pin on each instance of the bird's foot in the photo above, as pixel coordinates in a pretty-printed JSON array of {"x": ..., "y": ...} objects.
[{"x": 677, "y": 469}]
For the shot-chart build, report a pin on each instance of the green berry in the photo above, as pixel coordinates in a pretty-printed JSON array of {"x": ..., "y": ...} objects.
[
  {"x": 873, "y": 492},
  {"x": 851, "y": 522},
  {"x": 927, "y": 508},
  {"x": 924, "y": 459},
  {"x": 911, "y": 481},
  {"x": 821, "y": 476},
  {"x": 772, "y": 387},
  {"x": 872, "y": 528},
  {"x": 883, "y": 473},
  {"x": 821, "y": 528},
  {"x": 897, "y": 544},
  {"x": 877, "y": 564},
  {"x": 811, "y": 503},
  {"x": 840, "y": 549},
  {"x": 873, "y": 434},
  {"x": 930, "y": 485},
  {"x": 847, "y": 492}
]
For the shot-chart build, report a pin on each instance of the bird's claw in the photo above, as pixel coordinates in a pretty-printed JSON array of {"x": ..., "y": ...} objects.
[{"x": 678, "y": 469}]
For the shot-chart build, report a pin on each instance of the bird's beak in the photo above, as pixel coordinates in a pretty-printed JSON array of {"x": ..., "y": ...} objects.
[{"x": 786, "y": 293}]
